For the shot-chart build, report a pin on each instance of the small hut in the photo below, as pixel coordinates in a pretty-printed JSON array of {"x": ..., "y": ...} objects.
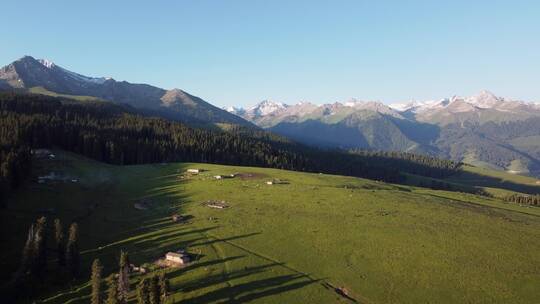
[{"x": 177, "y": 257}]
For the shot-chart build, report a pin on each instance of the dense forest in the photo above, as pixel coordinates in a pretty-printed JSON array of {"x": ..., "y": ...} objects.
[{"x": 120, "y": 135}]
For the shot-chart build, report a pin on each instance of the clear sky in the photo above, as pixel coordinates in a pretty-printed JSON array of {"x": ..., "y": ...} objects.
[{"x": 240, "y": 52}]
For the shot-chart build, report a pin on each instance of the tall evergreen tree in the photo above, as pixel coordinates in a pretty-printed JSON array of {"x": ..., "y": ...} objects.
[
  {"x": 60, "y": 242},
  {"x": 142, "y": 292},
  {"x": 112, "y": 291},
  {"x": 40, "y": 246},
  {"x": 28, "y": 252},
  {"x": 96, "y": 282},
  {"x": 123, "y": 277},
  {"x": 72, "y": 251},
  {"x": 163, "y": 287},
  {"x": 153, "y": 290}
]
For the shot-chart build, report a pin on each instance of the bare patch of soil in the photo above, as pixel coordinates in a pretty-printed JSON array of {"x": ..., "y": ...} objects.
[{"x": 250, "y": 175}]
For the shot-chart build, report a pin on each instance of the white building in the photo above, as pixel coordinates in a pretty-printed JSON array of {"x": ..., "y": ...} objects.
[{"x": 180, "y": 258}]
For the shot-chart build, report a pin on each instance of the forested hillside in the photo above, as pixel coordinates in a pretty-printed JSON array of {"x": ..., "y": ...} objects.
[{"x": 120, "y": 135}]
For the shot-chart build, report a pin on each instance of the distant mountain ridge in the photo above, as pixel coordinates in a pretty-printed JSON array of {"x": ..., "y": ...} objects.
[
  {"x": 449, "y": 128},
  {"x": 30, "y": 74}
]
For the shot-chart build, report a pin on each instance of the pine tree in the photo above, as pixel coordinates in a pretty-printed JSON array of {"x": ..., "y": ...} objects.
[
  {"x": 96, "y": 282},
  {"x": 72, "y": 251},
  {"x": 60, "y": 242},
  {"x": 163, "y": 287},
  {"x": 40, "y": 246},
  {"x": 28, "y": 252},
  {"x": 112, "y": 291},
  {"x": 153, "y": 291},
  {"x": 142, "y": 292},
  {"x": 123, "y": 277}
]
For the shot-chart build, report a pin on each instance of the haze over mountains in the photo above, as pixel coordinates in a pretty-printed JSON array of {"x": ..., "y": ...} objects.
[
  {"x": 483, "y": 129},
  {"x": 45, "y": 77}
]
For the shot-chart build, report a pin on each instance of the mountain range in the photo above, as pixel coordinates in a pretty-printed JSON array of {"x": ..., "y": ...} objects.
[
  {"x": 45, "y": 77},
  {"x": 483, "y": 129}
]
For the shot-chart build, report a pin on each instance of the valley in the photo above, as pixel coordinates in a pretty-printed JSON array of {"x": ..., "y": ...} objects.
[
  {"x": 269, "y": 152},
  {"x": 286, "y": 242},
  {"x": 483, "y": 129}
]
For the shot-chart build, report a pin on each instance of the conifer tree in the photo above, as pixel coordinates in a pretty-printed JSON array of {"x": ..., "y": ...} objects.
[
  {"x": 154, "y": 291},
  {"x": 96, "y": 282},
  {"x": 60, "y": 242},
  {"x": 28, "y": 252},
  {"x": 163, "y": 287},
  {"x": 72, "y": 251},
  {"x": 142, "y": 292},
  {"x": 40, "y": 246},
  {"x": 112, "y": 291},
  {"x": 123, "y": 277}
]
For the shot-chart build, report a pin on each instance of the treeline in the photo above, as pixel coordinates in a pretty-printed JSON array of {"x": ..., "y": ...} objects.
[
  {"x": 36, "y": 268},
  {"x": 412, "y": 163},
  {"x": 116, "y": 134},
  {"x": 531, "y": 200},
  {"x": 15, "y": 164},
  {"x": 150, "y": 290},
  {"x": 60, "y": 263}
]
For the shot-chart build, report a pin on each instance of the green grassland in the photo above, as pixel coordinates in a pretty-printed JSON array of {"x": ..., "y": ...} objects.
[
  {"x": 284, "y": 243},
  {"x": 496, "y": 182},
  {"x": 43, "y": 91}
]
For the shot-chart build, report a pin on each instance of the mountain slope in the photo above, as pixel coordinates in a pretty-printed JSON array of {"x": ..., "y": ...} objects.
[
  {"x": 479, "y": 129},
  {"x": 480, "y": 108},
  {"x": 28, "y": 73}
]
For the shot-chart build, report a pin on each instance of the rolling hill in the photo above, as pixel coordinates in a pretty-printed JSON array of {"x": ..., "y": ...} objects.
[{"x": 294, "y": 241}]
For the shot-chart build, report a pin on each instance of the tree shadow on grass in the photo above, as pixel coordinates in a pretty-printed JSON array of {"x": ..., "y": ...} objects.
[
  {"x": 253, "y": 290},
  {"x": 494, "y": 182},
  {"x": 224, "y": 277},
  {"x": 197, "y": 265},
  {"x": 227, "y": 239}
]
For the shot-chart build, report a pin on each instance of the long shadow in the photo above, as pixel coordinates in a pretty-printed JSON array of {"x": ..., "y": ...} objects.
[
  {"x": 222, "y": 277},
  {"x": 232, "y": 238},
  {"x": 194, "y": 266},
  {"x": 484, "y": 209},
  {"x": 247, "y": 292},
  {"x": 495, "y": 182}
]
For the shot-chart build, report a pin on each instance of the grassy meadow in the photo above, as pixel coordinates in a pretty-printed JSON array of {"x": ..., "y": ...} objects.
[{"x": 287, "y": 242}]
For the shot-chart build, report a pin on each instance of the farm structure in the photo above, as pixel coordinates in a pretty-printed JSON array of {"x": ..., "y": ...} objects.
[{"x": 177, "y": 257}]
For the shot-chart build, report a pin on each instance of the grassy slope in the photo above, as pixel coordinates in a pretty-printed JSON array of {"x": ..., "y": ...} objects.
[
  {"x": 280, "y": 243},
  {"x": 43, "y": 91},
  {"x": 496, "y": 182}
]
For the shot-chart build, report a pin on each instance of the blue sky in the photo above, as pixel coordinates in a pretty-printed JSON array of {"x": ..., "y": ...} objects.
[{"x": 240, "y": 52}]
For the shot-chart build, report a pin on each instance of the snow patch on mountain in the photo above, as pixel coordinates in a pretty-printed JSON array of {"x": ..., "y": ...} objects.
[
  {"x": 51, "y": 65},
  {"x": 235, "y": 110},
  {"x": 266, "y": 107},
  {"x": 47, "y": 63}
]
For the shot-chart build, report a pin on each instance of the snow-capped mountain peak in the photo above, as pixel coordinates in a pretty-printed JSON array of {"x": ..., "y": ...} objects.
[
  {"x": 484, "y": 99},
  {"x": 52, "y": 66},
  {"x": 266, "y": 107},
  {"x": 235, "y": 110}
]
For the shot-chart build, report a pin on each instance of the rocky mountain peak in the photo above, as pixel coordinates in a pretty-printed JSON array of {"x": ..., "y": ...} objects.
[{"x": 266, "y": 107}]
